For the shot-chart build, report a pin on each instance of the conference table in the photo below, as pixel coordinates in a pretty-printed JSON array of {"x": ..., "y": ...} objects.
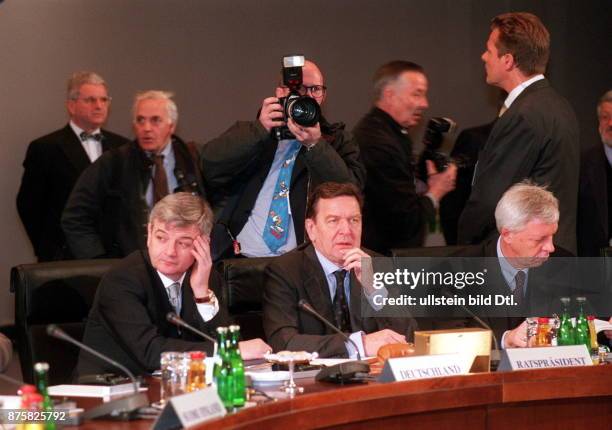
[{"x": 558, "y": 398}]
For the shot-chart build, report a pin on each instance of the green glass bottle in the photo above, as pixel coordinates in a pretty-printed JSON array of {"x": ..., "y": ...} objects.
[
  {"x": 220, "y": 371},
  {"x": 41, "y": 371},
  {"x": 581, "y": 332},
  {"x": 237, "y": 368},
  {"x": 566, "y": 328}
]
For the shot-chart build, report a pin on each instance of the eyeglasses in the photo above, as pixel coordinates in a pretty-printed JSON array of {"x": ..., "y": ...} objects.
[
  {"x": 93, "y": 100},
  {"x": 314, "y": 90}
]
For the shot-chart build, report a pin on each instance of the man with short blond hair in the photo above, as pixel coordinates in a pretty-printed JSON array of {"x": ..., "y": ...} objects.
[
  {"x": 54, "y": 162},
  {"x": 535, "y": 137},
  {"x": 108, "y": 208},
  {"x": 128, "y": 322}
]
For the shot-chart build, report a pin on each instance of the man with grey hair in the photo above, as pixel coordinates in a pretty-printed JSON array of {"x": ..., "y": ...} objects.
[
  {"x": 396, "y": 213},
  {"x": 107, "y": 211},
  {"x": 527, "y": 219},
  {"x": 54, "y": 162},
  {"x": 595, "y": 191},
  {"x": 127, "y": 321}
]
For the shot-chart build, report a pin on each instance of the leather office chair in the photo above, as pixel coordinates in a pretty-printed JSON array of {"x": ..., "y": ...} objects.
[
  {"x": 244, "y": 282},
  {"x": 61, "y": 293}
]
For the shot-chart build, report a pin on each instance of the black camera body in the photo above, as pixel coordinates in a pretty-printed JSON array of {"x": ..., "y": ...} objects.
[
  {"x": 432, "y": 140},
  {"x": 304, "y": 110}
]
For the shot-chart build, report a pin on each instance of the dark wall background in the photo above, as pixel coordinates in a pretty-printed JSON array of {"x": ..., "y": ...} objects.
[{"x": 221, "y": 58}]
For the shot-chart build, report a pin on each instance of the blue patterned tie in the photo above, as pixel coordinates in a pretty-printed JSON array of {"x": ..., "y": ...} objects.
[{"x": 276, "y": 231}]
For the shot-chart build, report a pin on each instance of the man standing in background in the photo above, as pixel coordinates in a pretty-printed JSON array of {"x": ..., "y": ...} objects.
[
  {"x": 536, "y": 136},
  {"x": 54, "y": 162}
]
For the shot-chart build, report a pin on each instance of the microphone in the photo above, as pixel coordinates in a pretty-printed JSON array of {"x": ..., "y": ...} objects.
[
  {"x": 122, "y": 407},
  {"x": 303, "y": 304},
  {"x": 343, "y": 372},
  {"x": 178, "y": 321}
]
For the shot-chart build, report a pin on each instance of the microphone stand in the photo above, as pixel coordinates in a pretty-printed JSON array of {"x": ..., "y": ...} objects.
[
  {"x": 124, "y": 408},
  {"x": 343, "y": 372}
]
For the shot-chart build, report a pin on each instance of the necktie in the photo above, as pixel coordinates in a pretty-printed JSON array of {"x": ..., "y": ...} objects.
[
  {"x": 160, "y": 181},
  {"x": 276, "y": 231},
  {"x": 340, "y": 305},
  {"x": 173, "y": 295},
  {"x": 519, "y": 289},
  {"x": 96, "y": 136}
]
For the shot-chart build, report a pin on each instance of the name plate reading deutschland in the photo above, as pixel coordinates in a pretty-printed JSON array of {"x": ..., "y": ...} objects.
[
  {"x": 544, "y": 357},
  {"x": 425, "y": 366},
  {"x": 190, "y": 409}
]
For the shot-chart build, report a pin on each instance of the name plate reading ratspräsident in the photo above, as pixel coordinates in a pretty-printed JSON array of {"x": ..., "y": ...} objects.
[
  {"x": 425, "y": 366},
  {"x": 190, "y": 409},
  {"x": 544, "y": 357}
]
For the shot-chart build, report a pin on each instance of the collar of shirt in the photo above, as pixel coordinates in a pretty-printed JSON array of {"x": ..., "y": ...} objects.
[
  {"x": 165, "y": 152},
  {"x": 78, "y": 130},
  {"x": 508, "y": 270},
  {"x": 329, "y": 268},
  {"x": 167, "y": 281},
  {"x": 512, "y": 95},
  {"x": 608, "y": 152}
]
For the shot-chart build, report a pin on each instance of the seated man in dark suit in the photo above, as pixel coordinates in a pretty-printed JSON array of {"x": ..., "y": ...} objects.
[
  {"x": 527, "y": 218},
  {"x": 106, "y": 214},
  {"x": 313, "y": 272},
  {"x": 128, "y": 319},
  {"x": 54, "y": 162}
]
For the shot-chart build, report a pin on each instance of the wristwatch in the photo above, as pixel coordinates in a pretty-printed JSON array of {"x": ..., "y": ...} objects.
[{"x": 209, "y": 298}]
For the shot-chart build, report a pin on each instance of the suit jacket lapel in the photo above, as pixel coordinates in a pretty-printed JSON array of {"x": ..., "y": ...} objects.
[
  {"x": 73, "y": 149},
  {"x": 315, "y": 285}
]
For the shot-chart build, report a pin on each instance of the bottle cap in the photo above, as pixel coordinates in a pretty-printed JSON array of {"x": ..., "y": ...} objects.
[
  {"x": 543, "y": 320},
  {"x": 197, "y": 355},
  {"x": 591, "y": 318},
  {"x": 41, "y": 366},
  {"x": 221, "y": 330},
  {"x": 26, "y": 389},
  {"x": 234, "y": 327}
]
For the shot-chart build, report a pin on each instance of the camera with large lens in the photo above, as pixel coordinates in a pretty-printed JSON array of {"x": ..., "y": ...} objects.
[
  {"x": 432, "y": 141},
  {"x": 304, "y": 110}
]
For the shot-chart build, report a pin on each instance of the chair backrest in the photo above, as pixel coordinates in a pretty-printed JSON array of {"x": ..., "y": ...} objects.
[
  {"x": 61, "y": 293},
  {"x": 244, "y": 282}
]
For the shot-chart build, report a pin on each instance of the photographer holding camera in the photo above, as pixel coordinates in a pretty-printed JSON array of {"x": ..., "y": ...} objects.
[
  {"x": 395, "y": 214},
  {"x": 259, "y": 172}
]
